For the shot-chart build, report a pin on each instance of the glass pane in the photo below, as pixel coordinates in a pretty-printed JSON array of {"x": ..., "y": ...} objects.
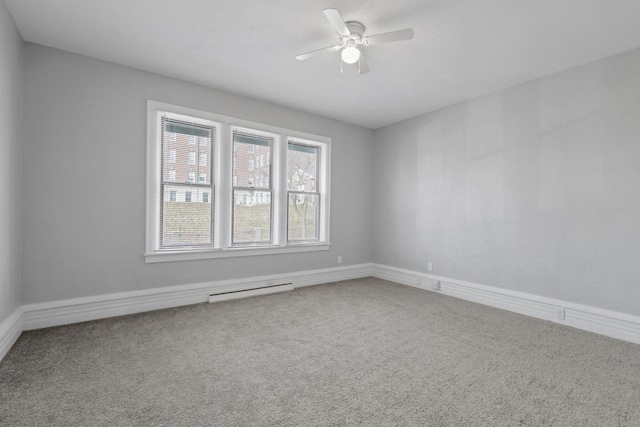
[
  {"x": 183, "y": 159},
  {"x": 303, "y": 217},
  {"x": 251, "y": 216},
  {"x": 186, "y": 216},
  {"x": 251, "y": 161},
  {"x": 302, "y": 167}
]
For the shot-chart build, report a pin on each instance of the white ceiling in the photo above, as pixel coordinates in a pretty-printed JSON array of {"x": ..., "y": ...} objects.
[{"x": 462, "y": 48}]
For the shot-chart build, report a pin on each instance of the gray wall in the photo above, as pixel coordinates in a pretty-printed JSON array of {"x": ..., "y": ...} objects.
[
  {"x": 84, "y": 179},
  {"x": 11, "y": 73},
  {"x": 534, "y": 189}
]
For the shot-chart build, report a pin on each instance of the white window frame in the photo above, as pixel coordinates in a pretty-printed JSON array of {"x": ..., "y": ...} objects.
[{"x": 222, "y": 191}]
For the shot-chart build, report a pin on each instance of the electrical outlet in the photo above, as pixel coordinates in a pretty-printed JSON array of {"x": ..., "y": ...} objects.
[
  {"x": 560, "y": 313},
  {"x": 435, "y": 285},
  {"x": 429, "y": 266},
  {"x": 339, "y": 259}
]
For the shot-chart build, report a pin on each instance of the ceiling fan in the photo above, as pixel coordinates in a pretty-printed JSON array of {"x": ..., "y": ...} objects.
[{"x": 351, "y": 38}]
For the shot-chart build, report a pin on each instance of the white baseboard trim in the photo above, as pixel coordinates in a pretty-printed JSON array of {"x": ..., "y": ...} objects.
[
  {"x": 55, "y": 313},
  {"x": 10, "y": 330},
  {"x": 42, "y": 315},
  {"x": 605, "y": 322}
]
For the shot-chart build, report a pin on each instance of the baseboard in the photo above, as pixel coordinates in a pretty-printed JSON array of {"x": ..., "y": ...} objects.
[
  {"x": 41, "y": 315},
  {"x": 10, "y": 330},
  {"x": 605, "y": 322},
  {"x": 55, "y": 313}
]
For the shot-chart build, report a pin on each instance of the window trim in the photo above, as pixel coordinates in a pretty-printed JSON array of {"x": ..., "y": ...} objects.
[{"x": 222, "y": 192}]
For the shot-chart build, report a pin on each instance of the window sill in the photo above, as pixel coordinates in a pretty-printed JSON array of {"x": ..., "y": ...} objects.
[{"x": 154, "y": 257}]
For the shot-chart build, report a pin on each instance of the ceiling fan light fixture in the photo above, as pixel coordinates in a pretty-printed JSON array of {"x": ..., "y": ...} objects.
[
  {"x": 352, "y": 36},
  {"x": 350, "y": 54}
]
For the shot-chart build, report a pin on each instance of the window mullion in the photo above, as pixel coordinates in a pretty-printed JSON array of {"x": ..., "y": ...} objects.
[
  {"x": 280, "y": 190},
  {"x": 224, "y": 194}
]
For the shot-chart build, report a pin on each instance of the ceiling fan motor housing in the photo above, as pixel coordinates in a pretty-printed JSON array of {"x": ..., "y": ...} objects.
[{"x": 356, "y": 29}]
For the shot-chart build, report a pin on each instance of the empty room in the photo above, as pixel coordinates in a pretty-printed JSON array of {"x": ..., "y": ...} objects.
[{"x": 319, "y": 213}]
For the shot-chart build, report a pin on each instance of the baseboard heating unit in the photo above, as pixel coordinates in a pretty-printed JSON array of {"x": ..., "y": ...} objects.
[{"x": 225, "y": 296}]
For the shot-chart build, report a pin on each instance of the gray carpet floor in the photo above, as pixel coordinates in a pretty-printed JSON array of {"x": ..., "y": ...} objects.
[{"x": 359, "y": 353}]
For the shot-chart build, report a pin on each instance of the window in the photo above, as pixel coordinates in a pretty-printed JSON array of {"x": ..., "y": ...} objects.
[
  {"x": 181, "y": 225},
  {"x": 251, "y": 223},
  {"x": 256, "y": 190},
  {"x": 171, "y": 156},
  {"x": 303, "y": 197}
]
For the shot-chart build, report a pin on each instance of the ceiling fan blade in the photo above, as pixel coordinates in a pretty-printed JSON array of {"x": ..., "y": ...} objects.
[
  {"x": 393, "y": 36},
  {"x": 363, "y": 66},
  {"x": 336, "y": 20},
  {"x": 308, "y": 55}
]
